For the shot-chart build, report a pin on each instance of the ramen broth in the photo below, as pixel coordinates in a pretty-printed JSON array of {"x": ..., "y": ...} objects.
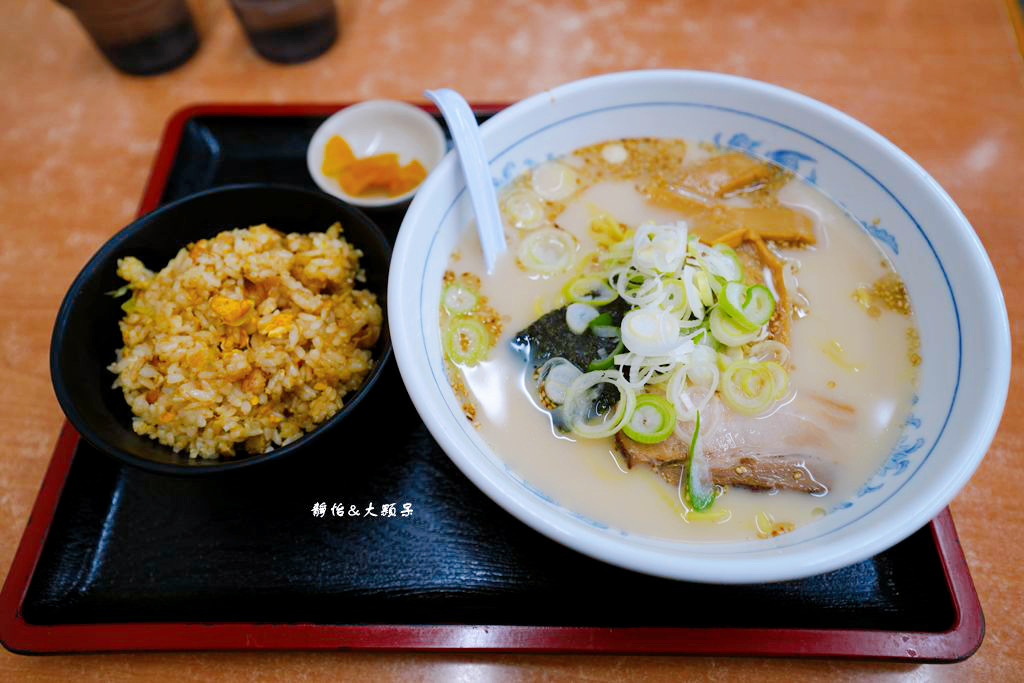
[{"x": 850, "y": 371}]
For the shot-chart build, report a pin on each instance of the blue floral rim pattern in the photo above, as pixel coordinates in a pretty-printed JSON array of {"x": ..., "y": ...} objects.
[{"x": 801, "y": 164}]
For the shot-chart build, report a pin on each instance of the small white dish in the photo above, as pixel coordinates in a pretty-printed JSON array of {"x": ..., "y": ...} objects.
[{"x": 378, "y": 127}]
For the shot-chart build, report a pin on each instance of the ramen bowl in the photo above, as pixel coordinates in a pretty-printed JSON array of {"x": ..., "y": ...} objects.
[{"x": 961, "y": 317}]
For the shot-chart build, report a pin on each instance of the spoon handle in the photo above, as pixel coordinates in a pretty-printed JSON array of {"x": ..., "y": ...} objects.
[{"x": 465, "y": 135}]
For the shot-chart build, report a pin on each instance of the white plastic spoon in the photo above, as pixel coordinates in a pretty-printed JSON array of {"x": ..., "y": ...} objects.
[{"x": 466, "y": 136}]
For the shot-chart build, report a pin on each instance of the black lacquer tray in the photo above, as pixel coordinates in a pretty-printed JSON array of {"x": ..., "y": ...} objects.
[{"x": 115, "y": 558}]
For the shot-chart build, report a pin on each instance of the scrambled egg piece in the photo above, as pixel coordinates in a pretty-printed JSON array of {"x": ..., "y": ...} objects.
[
  {"x": 232, "y": 311},
  {"x": 278, "y": 326}
]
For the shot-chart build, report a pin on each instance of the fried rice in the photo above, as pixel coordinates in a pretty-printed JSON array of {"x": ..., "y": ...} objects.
[{"x": 248, "y": 339}]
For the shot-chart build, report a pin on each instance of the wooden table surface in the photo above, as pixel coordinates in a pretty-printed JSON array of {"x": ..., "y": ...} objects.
[{"x": 942, "y": 79}]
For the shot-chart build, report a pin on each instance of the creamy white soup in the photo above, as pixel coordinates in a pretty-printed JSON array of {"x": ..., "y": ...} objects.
[{"x": 648, "y": 281}]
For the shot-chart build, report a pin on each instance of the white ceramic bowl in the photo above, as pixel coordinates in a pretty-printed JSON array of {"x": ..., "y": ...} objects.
[
  {"x": 964, "y": 331},
  {"x": 378, "y": 127}
]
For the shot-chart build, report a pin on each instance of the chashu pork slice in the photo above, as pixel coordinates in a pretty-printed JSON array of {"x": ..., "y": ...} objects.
[{"x": 782, "y": 451}]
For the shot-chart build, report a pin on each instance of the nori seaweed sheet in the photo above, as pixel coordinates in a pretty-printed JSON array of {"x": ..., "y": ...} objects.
[{"x": 549, "y": 336}]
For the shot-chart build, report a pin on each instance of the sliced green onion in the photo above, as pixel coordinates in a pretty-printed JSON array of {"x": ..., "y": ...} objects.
[
  {"x": 652, "y": 421},
  {"x": 693, "y": 297},
  {"x": 547, "y": 250},
  {"x": 580, "y": 399},
  {"x": 617, "y": 255},
  {"x": 758, "y": 305},
  {"x": 602, "y": 320},
  {"x": 731, "y": 302},
  {"x": 749, "y": 387},
  {"x": 699, "y": 486},
  {"x": 606, "y": 331},
  {"x": 780, "y": 378},
  {"x": 650, "y": 331},
  {"x": 579, "y": 316},
  {"x": 458, "y": 298},
  {"x": 554, "y": 378},
  {"x": 769, "y": 350},
  {"x": 675, "y": 295},
  {"x": 119, "y": 292},
  {"x": 638, "y": 279},
  {"x": 523, "y": 209},
  {"x": 728, "y": 356},
  {"x": 707, "y": 296},
  {"x": 590, "y": 289},
  {"x": 659, "y": 249},
  {"x": 466, "y": 340},
  {"x": 731, "y": 254},
  {"x": 726, "y": 331},
  {"x": 605, "y": 362},
  {"x": 718, "y": 284},
  {"x": 554, "y": 181},
  {"x": 749, "y": 307},
  {"x": 634, "y": 287}
]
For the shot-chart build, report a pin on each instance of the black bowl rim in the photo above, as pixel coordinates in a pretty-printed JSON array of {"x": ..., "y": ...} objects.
[{"x": 189, "y": 467}]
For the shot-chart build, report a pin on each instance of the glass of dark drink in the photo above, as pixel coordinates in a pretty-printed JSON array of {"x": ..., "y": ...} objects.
[
  {"x": 288, "y": 31},
  {"x": 139, "y": 36}
]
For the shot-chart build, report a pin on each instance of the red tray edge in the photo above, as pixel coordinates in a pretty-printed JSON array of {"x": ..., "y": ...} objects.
[{"x": 18, "y": 636}]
